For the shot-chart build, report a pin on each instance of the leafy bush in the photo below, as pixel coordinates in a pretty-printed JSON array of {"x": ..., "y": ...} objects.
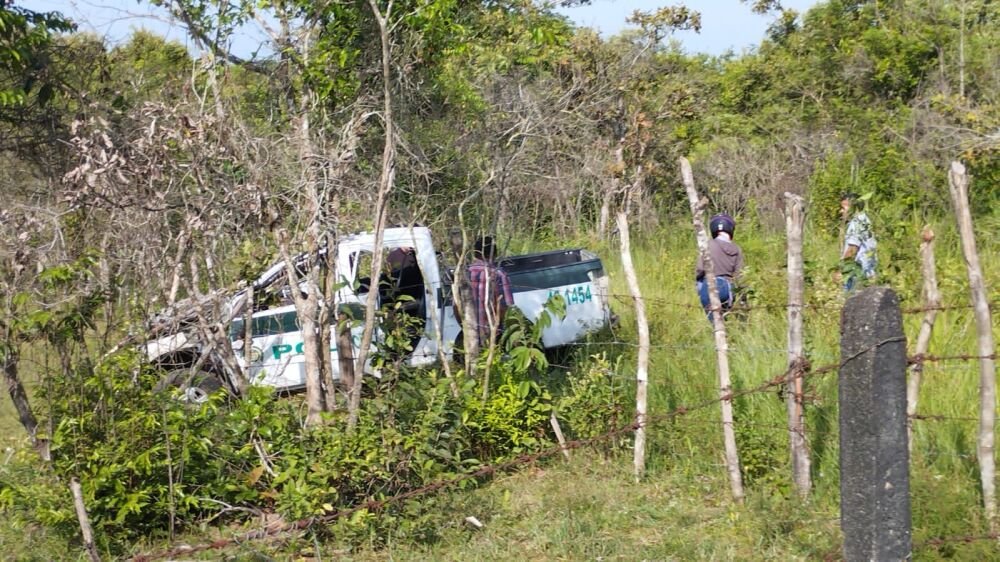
[
  {"x": 595, "y": 402},
  {"x": 152, "y": 464},
  {"x": 148, "y": 461},
  {"x": 511, "y": 420}
]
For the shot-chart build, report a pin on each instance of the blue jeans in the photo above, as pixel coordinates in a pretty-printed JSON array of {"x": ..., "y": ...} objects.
[{"x": 725, "y": 294}]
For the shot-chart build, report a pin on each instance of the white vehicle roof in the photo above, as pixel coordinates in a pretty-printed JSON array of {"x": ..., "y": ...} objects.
[{"x": 392, "y": 237}]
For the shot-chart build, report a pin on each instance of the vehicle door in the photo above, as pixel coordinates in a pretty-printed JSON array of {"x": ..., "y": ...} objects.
[{"x": 276, "y": 356}]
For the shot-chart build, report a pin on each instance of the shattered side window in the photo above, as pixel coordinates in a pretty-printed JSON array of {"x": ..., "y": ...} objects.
[{"x": 361, "y": 264}]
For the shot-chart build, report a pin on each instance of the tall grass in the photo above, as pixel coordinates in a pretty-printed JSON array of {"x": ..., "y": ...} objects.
[{"x": 687, "y": 449}]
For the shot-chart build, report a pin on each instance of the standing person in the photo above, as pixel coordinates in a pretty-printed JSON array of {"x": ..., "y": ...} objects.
[
  {"x": 858, "y": 257},
  {"x": 727, "y": 262},
  {"x": 491, "y": 292}
]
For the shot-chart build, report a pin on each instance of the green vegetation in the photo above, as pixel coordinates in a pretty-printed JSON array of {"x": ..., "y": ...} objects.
[
  {"x": 137, "y": 175},
  {"x": 413, "y": 434}
]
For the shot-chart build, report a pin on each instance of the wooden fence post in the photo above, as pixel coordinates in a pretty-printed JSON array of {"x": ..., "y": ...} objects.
[
  {"x": 642, "y": 362},
  {"x": 721, "y": 344},
  {"x": 874, "y": 460},
  {"x": 794, "y": 221},
  {"x": 932, "y": 300},
  {"x": 958, "y": 184}
]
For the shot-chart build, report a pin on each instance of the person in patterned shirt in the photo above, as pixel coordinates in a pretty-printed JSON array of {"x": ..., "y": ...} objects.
[
  {"x": 858, "y": 256},
  {"x": 491, "y": 291}
]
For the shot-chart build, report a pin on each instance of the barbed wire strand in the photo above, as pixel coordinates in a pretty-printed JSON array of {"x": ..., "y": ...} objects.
[{"x": 628, "y": 299}]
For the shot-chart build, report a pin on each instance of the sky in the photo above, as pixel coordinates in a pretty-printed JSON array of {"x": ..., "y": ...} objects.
[{"x": 726, "y": 24}]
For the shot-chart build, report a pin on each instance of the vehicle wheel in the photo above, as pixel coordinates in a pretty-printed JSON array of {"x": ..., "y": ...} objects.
[{"x": 195, "y": 387}]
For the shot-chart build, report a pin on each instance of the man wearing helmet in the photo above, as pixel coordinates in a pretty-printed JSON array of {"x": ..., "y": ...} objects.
[{"x": 727, "y": 262}]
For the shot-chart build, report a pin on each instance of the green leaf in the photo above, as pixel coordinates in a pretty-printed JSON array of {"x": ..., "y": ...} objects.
[{"x": 523, "y": 389}]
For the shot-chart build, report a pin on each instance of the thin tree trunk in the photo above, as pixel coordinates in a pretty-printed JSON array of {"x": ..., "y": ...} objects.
[
  {"x": 932, "y": 300},
  {"x": 494, "y": 325},
  {"x": 961, "y": 53},
  {"x": 221, "y": 347},
  {"x": 306, "y": 310},
  {"x": 248, "y": 331},
  {"x": 557, "y": 429},
  {"x": 386, "y": 180},
  {"x": 216, "y": 337},
  {"x": 175, "y": 283},
  {"x": 20, "y": 400},
  {"x": 614, "y": 187},
  {"x": 345, "y": 351},
  {"x": 324, "y": 339},
  {"x": 958, "y": 184},
  {"x": 642, "y": 362},
  {"x": 794, "y": 221},
  {"x": 721, "y": 345},
  {"x": 17, "y": 394},
  {"x": 462, "y": 297},
  {"x": 307, "y": 298},
  {"x": 81, "y": 515},
  {"x": 329, "y": 317},
  {"x": 604, "y": 217}
]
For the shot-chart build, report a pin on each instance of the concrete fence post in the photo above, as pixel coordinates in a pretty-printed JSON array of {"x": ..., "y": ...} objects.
[{"x": 874, "y": 457}]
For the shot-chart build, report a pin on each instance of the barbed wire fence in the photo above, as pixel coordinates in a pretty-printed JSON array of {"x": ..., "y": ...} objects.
[{"x": 801, "y": 370}]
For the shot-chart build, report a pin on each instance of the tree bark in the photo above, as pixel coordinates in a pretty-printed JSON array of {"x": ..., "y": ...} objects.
[
  {"x": 794, "y": 221},
  {"x": 329, "y": 317},
  {"x": 557, "y": 429},
  {"x": 642, "y": 362},
  {"x": 175, "y": 283},
  {"x": 961, "y": 53},
  {"x": 248, "y": 330},
  {"x": 958, "y": 183},
  {"x": 20, "y": 400},
  {"x": 386, "y": 181},
  {"x": 721, "y": 344},
  {"x": 462, "y": 297},
  {"x": 315, "y": 308},
  {"x": 306, "y": 309},
  {"x": 932, "y": 300},
  {"x": 84, "y": 519},
  {"x": 345, "y": 351}
]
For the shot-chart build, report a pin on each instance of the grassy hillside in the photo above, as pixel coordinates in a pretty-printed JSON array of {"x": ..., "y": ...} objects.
[{"x": 590, "y": 508}]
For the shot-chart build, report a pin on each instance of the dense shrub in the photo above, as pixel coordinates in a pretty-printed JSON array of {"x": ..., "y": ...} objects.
[
  {"x": 152, "y": 464},
  {"x": 149, "y": 462},
  {"x": 594, "y": 404}
]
